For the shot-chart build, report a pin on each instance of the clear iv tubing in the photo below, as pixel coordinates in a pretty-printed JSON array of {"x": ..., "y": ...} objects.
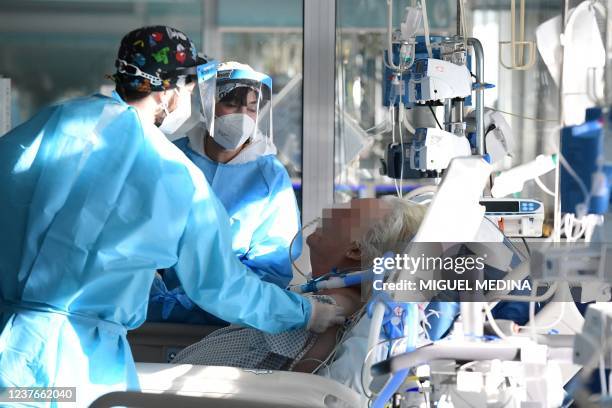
[
  {"x": 525, "y": 117},
  {"x": 367, "y": 357},
  {"x": 356, "y": 316},
  {"x": 298, "y": 270},
  {"x": 569, "y": 223},
  {"x": 549, "y": 326},
  {"x": 543, "y": 187},
  {"x": 399, "y": 125},
  {"x": 583, "y": 188},
  {"x": 531, "y": 325},
  {"x": 392, "y": 114},
  {"x": 531, "y": 298},
  {"x": 375, "y": 325},
  {"x": 463, "y": 24},
  {"x": 426, "y": 28},
  {"x": 421, "y": 190},
  {"x": 585, "y": 224},
  {"x": 556, "y": 234},
  {"x": 390, "y": 63},
  {"x": 399, "y": 377},
  {"x": 493, "y": 323}
]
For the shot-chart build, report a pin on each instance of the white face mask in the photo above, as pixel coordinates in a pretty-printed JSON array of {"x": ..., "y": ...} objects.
[
  {"x": 232, "y": 130},
  {"x": 175, "y": 119}
]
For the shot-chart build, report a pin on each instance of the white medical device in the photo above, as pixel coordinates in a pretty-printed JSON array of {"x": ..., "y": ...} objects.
[
  {"x": 436, "y": 80},
  {"x": 513, "y": 180},
  {"x": 433, "y": 149},
  {"x": 516, "y": 217},
  {"x": 499, "y": 139},
  {"x": 592, "y": 340},
  {"x": 433, "y": 80}
]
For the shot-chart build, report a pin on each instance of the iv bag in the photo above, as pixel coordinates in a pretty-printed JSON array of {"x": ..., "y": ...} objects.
[{"x": 411, "y": 23}]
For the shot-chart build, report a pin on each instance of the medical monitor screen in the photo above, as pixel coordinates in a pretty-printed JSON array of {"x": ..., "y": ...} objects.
[{"x": 501, "y": 206}]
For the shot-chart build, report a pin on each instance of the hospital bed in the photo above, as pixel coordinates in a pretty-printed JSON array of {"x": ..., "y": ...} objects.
[
  {"x": 163, "y": 384},
  {"x": 166, "y": 384},
  {"x": 230, "y": 387}
]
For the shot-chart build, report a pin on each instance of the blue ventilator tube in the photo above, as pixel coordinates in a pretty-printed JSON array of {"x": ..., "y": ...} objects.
[
  {"x": 335, "y": 280},
  {"x": 410, "y": 330},
  {"x": 392, "y": 386},
  {"x": 332, "y": 282}
]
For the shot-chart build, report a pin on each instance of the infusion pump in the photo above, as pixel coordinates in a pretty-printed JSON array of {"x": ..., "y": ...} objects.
[{"x": 516, "y": 217}]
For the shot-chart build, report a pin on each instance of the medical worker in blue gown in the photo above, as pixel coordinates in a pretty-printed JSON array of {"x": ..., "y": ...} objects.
[
  {"x": 94, "y": 199},
  {"x": 239, "y": 161}
]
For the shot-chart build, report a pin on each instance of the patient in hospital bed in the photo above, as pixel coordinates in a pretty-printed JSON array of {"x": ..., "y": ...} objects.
[{"x": 348, "y": 239}]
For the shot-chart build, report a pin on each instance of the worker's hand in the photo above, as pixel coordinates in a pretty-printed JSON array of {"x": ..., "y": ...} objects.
[{"x": 324, "y": 315}]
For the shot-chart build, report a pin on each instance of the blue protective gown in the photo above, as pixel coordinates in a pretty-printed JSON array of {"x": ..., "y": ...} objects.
[
  {"x": 264, "y": 216},
  {"x": 92, "y": 202}
]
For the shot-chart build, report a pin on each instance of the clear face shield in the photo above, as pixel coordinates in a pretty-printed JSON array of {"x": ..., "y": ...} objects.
[
  {"x": 194, "y": 108},
  {"x": 243, "y": 109},
  {"x": 206, "y": 91}
]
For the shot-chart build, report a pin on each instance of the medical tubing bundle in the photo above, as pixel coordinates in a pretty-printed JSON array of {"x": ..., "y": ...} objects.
[
  {"x": 340, "y": 336},
  {"x": 398, "y": 378}
]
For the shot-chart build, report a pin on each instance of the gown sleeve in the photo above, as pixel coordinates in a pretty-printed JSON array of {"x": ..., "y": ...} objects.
[
  {"x": 218, "y": 282},
  {"x": 268, "y": 255}
]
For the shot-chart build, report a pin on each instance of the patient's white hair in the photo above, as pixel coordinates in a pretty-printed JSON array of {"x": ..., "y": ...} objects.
[{"x": 394, "y": 230}]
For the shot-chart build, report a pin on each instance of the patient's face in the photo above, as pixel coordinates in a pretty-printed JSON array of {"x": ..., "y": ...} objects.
[{"x": 333, "y": 242}]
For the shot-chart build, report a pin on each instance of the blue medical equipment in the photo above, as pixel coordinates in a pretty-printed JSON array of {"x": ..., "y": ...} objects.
[
  {"x": 582, "y": 149},
  {"x": 400, "y": 327},
  {"x": 338, "y": 279}
]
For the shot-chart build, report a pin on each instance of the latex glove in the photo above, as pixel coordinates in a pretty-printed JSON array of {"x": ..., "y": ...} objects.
[{"x": 324, "y": 316}]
